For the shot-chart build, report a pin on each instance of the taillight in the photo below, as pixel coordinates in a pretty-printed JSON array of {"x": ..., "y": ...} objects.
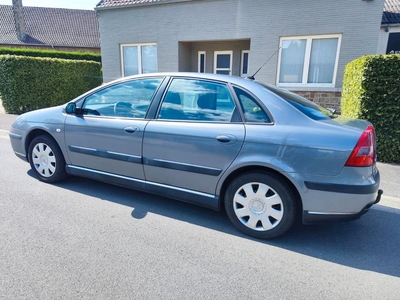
[{"x": 363, "y": 154}]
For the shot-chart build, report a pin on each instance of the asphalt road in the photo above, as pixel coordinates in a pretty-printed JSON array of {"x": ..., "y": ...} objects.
[{"x": 82, "y": 239}]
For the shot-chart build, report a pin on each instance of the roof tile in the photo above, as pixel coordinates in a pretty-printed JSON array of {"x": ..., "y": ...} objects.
[
  {"x": 113, "y": 3},
  {"x": 52, "y": 26},
  {"x": 391, "y": 12}
]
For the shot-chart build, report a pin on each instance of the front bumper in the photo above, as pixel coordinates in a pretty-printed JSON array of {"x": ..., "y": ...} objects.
[{"x": 17, "y": 143}]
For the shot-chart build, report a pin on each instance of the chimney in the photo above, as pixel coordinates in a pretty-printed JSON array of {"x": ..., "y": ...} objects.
[{"x": 19, "y": 19}]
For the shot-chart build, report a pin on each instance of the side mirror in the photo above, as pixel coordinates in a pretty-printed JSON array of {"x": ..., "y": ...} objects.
[{"x": 71, "y": 108}]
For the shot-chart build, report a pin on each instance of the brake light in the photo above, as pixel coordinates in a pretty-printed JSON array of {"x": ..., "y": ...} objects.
[{"x": 363, "y": 154}]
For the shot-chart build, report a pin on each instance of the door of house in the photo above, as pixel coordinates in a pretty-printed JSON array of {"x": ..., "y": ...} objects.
[{"x": 223, "y": 62}]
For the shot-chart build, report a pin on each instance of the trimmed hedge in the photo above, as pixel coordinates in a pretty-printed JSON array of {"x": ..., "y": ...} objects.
[
  {"x": 371, "y": 91},
  {"x": 51, "y": 53},
  {"x": 29, "y": 83}
]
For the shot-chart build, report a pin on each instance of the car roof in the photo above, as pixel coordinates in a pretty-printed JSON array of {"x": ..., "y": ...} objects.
[{"x": 210, "y": 76}]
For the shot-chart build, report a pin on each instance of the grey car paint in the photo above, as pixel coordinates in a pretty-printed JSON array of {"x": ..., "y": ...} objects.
[
  {"x": 85, "y": 138},
  {"x": 195, "y": 161},
  {"x": 198, "y": 152}
]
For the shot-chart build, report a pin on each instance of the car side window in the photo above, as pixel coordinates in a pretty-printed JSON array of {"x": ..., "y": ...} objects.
[
  {"x": 127, "y": 99},
  {"x": 253, "y": 112},
  {"x": 197, "y": 100}
]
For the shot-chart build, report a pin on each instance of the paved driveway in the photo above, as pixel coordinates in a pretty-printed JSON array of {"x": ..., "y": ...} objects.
[{"x": 82, "y": 239}]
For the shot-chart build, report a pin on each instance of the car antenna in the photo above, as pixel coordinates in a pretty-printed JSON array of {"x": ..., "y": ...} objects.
[{"x": 252, "y": 77}]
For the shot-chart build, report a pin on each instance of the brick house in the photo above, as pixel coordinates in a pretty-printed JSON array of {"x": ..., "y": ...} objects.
[
  {"x": 303, "y": 46},
  {"x": 48, "y": 28}
]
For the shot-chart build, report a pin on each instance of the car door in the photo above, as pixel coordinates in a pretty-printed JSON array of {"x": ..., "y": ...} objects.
[
  {"x": 195, "y": 136},
  {"x": 107, "y": 137}
]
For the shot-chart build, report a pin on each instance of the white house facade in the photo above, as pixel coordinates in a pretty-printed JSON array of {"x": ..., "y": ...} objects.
[{"x": 303, "y": 46}]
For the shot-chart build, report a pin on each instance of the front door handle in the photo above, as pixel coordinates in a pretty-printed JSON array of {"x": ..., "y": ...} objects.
[{"x": 131, "y": 129}]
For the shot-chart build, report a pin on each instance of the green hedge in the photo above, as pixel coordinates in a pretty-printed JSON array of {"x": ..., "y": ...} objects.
[
  {"x": 29, "y": 83},
  {"x": 371, "y": 91},
  {"x": 51, "y": 53}
]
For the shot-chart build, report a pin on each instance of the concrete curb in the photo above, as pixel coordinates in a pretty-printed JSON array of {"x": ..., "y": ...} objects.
[{"x": 389, "y": 201}]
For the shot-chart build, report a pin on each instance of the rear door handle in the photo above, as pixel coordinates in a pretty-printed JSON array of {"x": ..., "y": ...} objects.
[
  {"x": 131, "y": 129},
  {"x": 224, "y": 138}
]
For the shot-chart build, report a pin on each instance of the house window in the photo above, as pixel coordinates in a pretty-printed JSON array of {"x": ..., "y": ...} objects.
[
  {"x": 202, "y": 62},
  {"x": 223, "y": 62},
  {"x": 244, "y": 65},
  {"x": 310, "y": 61},
  {"x": 138, "y": 59}
]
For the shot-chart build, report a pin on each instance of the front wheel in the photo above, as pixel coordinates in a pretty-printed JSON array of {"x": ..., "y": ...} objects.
[
  {"x": 46, "y": 159},
  {"x": 260, "y": 205}
]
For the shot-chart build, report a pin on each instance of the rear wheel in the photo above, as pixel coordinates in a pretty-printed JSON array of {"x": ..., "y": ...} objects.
[
  {"x": 46, "y": 159},
  {"x": 260, "y": 205}
]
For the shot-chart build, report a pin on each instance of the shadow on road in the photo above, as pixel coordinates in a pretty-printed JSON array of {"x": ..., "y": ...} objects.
[{"x": 370, "y": 243}]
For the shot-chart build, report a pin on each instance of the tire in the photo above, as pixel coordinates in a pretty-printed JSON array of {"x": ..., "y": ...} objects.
[
  {"x": 260, "y": 205},
  {"x": 46, "y": 159}
]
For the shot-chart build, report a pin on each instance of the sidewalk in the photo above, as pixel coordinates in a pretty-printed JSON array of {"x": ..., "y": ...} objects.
[
  {"x": 2, "y": 111},
  {"x": 5, "y": 121},
  {"x": 390, "y": 174}
]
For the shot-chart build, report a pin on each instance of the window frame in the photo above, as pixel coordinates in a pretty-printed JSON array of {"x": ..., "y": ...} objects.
[
  {"x": 199, "y": 54},
  {"x": 139, "y": 46},
  {"x": 307, "y": 57},
  {"x": 216, "y": 53},
  {"x": 242, "y": 63}
]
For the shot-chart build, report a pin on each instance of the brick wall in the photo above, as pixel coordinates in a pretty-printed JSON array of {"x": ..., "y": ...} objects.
[{"x": 325, "y": 99}]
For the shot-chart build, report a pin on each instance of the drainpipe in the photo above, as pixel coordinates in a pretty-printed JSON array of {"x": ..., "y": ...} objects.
[{"x": 19, "y": 19}]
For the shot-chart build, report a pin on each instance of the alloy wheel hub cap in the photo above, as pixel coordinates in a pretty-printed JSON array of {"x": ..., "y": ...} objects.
[
  {"x": 257, "y": 206},
  {"x": 44, "y": 160}
]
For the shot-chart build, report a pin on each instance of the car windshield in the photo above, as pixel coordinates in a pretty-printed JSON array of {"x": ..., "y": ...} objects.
[{"x": 307, "y": 107}]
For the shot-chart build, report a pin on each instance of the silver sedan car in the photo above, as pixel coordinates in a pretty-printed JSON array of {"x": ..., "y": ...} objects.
[{"x": 264, "y": 154}]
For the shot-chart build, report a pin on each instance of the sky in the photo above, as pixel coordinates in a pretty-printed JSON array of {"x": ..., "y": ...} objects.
[{"x": 76, "y": 4}]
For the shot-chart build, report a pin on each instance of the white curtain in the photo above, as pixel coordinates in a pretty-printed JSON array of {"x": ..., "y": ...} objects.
[
  {"x": 322, "y": 60},
  {"x": 292, "y": 61},
  {"x": 149, "y": 59},
  {"x": 131, "y": 66}
]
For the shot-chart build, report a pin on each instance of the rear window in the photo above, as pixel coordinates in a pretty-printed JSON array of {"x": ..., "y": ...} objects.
[
  {"x": 307, "y": 107},
  {"x": 253, "y": 112}
]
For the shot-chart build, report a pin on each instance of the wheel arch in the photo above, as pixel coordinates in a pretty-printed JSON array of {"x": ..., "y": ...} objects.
[
  {"x": 261, "y": 169},
  {"x": 33, "y": 134}
]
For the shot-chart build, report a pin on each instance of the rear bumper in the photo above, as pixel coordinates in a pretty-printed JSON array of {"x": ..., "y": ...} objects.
[
  {"x": 312, "y": 217},
  {"x": 345, "y": 188}
]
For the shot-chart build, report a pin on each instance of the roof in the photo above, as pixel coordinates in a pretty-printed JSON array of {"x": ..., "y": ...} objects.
[
  {"x": 116, "y": 3},
  {"x": 51, "y": 27},
  {"x": 391, "y": 12},
  {"x": 391, "y": 9}
]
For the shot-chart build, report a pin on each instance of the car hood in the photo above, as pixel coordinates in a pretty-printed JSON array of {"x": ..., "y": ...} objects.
[{"x": 52, "y": 115}]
